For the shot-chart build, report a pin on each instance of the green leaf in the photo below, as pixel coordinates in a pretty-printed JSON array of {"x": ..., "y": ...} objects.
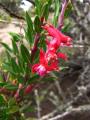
[
  {"x": 27, "y": 70},
  {"x": 29, "y": 36},
  {"x": 2, "y": 99},
  {"x": 28, "y": 108},
  {"x": 46, "y": 79},
  {"x": 68, "y": 10},
  {"x": 36, "y": 56},
  {"x": 11, "y": 66},
  {"x": 1, "y": 77},
  {"x": 33, "y": 79},
  {"x": 16, "y": 37},
  {"x": 10, "y": 87},
  {"x": 11, "y": 102},
  {"x": 8, "y": 56},
  {"x": 66, "y": 27},
  {"x": 8, "y": 68},
  {"x": 12, "y": 109},
  {"x": 56, "y": 13},
  {"x": 21, "y": 79},
  {"x": 15, "y": 67},
  {"x": 29, "y": 31},
  {"x": 15, "y": 48},
  {"x": 37, "y": 24},
  {"x": 38, "y": 7},
  {"x": 42, "y": 42},
  {"x": 6, "y": 46},
  {"x": 49, "y": 2},
  {"x": 25, "y": 53},
  {"x": 29, "y": 22},
  {"x": 21, "y": 64},
  {"x": 2, "y": 84},
  {"x": 45, "y": 11}
]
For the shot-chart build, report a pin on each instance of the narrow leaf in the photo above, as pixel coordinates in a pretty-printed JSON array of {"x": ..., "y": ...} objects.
[
  {"x": 6, "y": 46},
  {"x": 56, "y": 14},
  {"x": 29, "y": 22},
  {"x": 15, "y": 48},
  {"x": 10, "y": 87},
  {"x": 37, "y": 24},
  {"x": 45, "y": 11},
  {"x": 38, "y": 7},
  {"x": 29, "y": 36},
  {"x": 25, "y": 53},
  {"x": 16, "y": 37},
  {"x": 15, "y": 67}
]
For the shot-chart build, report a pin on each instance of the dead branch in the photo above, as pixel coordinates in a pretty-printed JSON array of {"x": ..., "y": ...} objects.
[
  {"x": 12, "y": 14},
  {"x": 71, "y": 113},
  {"x": 61, "y": 17}
]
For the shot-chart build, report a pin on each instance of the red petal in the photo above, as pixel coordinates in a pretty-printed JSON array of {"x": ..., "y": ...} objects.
[
  {"x": 42, "y": 56},
  {"x": 53, "y": 66},
  {"x": 34, "y": 67},
  {"x": 62, "y": 56}
]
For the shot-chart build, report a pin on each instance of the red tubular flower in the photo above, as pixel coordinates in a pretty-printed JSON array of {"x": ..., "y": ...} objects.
[
  {"x": 49, "y": 60},
  {"x": 40, "y": 68},
  {"x": 55, "y": 33},
  {"x": 43, "y": 66}
]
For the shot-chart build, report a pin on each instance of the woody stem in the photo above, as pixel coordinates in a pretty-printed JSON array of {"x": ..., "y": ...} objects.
[
  {"x": 61, "y": 17},
  {"x": 35, "y": 47}
]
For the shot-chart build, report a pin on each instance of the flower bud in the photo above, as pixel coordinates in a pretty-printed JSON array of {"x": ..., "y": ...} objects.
[{"x": 28, "y": 89}]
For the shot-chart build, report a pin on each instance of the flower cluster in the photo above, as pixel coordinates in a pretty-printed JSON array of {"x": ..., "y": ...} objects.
[{"x": 48, "y": 60}]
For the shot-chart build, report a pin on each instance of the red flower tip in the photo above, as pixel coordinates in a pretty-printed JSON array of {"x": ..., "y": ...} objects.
[
  {"x": 28, "y": 89},
  {"x": 16, "y": 94},
  {"x": 62, "y": 56},
  {"x": 42, "y": 19},
  {"x": 69, "y": 39}
]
